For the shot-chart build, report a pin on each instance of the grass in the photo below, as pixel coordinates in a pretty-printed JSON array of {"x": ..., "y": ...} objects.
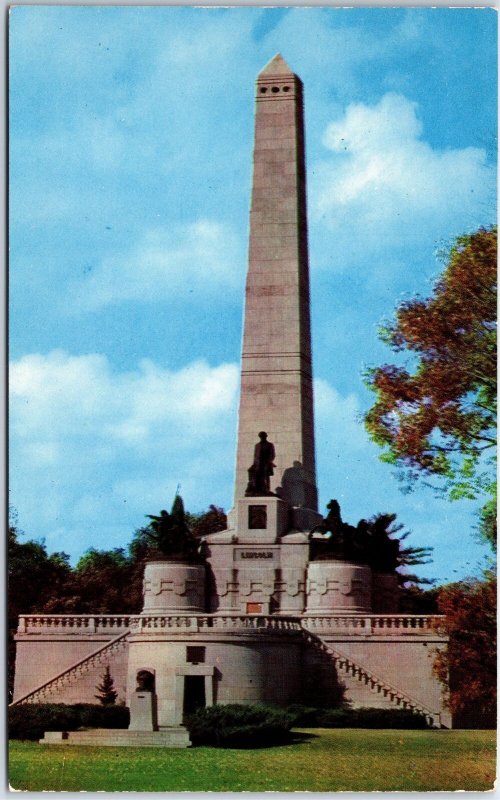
[{"x": 320, "y": 760}]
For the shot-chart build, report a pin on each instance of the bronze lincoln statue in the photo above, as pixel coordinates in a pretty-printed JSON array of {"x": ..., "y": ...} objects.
[{"x": 260, "y": 472}]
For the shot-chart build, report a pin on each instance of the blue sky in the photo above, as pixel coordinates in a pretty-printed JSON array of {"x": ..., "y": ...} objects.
[{"x": 130, "y": 166}]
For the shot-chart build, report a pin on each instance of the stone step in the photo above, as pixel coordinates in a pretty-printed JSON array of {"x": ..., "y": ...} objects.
[{"x": 102, "y": 737}]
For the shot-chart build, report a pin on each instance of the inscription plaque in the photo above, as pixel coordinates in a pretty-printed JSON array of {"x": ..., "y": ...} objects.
[
  {"x": 256, "y": 556},
  {"x": 254, "y": 608},
  {"x": 257, "y": 517}
]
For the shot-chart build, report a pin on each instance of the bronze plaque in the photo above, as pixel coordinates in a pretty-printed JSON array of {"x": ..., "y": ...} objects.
[
  {"x": 257, "y": 517},
  {"x": 254, "y": 608}
]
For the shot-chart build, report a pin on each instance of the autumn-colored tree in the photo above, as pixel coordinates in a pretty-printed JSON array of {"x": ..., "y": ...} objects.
[
  {"x": 467, "y": 667},
  {"x": 436, "y": 416}
]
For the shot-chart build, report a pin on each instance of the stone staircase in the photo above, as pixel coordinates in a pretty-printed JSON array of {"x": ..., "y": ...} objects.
[
  {"x": 376, "y": 689},
  {"x": 353, "y": 670},
  {"x": 42, "y": 693}
]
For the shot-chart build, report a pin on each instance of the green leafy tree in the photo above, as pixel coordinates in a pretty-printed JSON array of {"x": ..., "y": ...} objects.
[
  {"x": 414, "y": 599},
  {"x": 106, "y": 692},
  {"x": 36, "y": 580},
  {"x": 102, "y": 579},
  {"x": 211, "y": 521},
  {"x": 436, "y": 416}
]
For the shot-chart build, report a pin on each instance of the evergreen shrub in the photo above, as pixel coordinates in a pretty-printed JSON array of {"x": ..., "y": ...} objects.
[
  {"x": 240, "y": 726},
  {"x": 31, "y": 720},
  {"x": 306, "y": 717}
]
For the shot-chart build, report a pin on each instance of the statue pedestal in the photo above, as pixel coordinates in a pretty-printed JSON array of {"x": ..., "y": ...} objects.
[
  {"x": 173, "y": 587},
  {"x": 338, "y": 587},
  {"x": 143, "y": 711},
  {"x": 261, "y": 520}
]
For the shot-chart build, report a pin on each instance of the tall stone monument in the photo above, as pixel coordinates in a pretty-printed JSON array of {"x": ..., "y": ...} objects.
[
  {"x": 259, "y": 563},
  {"x": 276, "y": 375},
  {"x": 272, "y": 613}
]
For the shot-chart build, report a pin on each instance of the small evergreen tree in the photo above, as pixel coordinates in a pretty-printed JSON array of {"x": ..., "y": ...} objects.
[{"x": 107, "y": 693}]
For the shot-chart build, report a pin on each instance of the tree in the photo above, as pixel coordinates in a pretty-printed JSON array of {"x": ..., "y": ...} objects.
[
  {"x": 436, "y": 416},
  {"x": 102, "y": 579},
  {"x": 469, "y": 662},
  {"x": 107, "y": 693},
  {"x": 211, "y": 521},
  {"x": 416, "y": 600},
  {"x": 37, "y": 581}
]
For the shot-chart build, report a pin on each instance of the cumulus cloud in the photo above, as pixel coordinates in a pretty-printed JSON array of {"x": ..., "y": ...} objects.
[
  {"x": 93, "y": 450},
  {"x": 338, "y": 418},
  {"x": 85, "y": 437},
  {"x": 345, "y": 456},
  {"x": 386, "y": 185},
  {"x": 166, "y": 262}
]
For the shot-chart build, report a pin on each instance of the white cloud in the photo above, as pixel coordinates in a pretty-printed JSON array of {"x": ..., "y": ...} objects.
[
  {"x": 83, "y": 435},
  {"x": 168, "y": 263},
  {"x": 384, "y": 186},
  {"x": 57, "y": 398},
  {"x": 338, "y": 418}
]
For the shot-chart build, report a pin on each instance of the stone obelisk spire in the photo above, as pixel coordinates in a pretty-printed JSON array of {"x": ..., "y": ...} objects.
[{"x": 276, "y": 377}]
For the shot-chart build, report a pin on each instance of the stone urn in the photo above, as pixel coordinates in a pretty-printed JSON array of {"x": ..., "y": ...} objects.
[
  {"x": 335, "y": 586},
  {"x": 174, "y": 586}
]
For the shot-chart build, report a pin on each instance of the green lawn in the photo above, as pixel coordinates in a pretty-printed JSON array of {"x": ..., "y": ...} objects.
[{"x": 321, "y": 761}]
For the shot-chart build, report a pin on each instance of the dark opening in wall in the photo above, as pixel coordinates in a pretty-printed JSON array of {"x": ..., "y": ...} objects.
[{"x": 195, "y": 655}]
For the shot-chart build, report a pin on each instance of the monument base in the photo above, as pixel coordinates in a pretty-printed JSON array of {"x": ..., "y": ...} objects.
[
  {"x": 177, "y": 737},
  {"x": 143, "y": 711},
  {"x": 262, "y": 520},
  {"x": 338, "y": 586},
  {"x": 173, "y": 587}
]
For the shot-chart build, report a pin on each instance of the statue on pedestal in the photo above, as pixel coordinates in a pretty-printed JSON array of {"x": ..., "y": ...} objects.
[{"x": 259, "y": 474}]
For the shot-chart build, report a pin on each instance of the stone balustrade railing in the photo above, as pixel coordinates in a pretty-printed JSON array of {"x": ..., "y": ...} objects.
[
  {"x": 218, "y": 622},
  {"x": 373, "y": 624},
  {"x": 335, "y": 624},
  {"x": 77, "y": 624}
]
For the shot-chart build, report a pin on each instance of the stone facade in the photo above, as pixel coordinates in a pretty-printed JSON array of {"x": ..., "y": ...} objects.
[
  {"x": 257, "y": 621},
  {"x": 173, "y": 586},
  {"x": 366, "y": 659}
]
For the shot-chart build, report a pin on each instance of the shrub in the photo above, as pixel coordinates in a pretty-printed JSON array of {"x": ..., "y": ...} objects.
[
  {"x": 239, "y": 726},
  {"x": 305, "y": 717},
  {"x": 31, "y": 720}
]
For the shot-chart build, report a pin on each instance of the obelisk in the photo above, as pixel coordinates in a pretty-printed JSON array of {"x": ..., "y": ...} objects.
[{"x": 276, "y": 376}]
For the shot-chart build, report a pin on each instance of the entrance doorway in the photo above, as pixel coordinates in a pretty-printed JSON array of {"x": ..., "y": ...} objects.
[{"x": 194, "y": 694}]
